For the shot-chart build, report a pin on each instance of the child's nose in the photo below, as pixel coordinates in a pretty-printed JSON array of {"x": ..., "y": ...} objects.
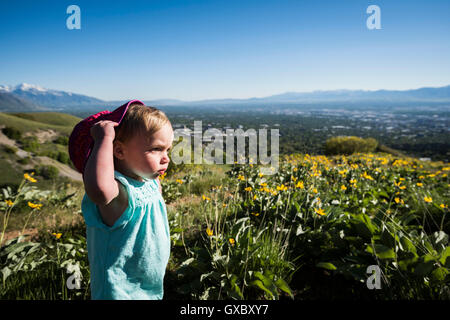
[{"x": 165, "y": 158}]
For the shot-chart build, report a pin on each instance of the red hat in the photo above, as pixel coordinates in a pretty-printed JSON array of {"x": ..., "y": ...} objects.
[{"x": 81, "y": 141}]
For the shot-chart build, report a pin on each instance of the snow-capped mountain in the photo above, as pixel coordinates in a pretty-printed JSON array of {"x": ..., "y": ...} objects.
[
  {"x": 29, "y": 97},
  {"x": 53, "y": 99}
]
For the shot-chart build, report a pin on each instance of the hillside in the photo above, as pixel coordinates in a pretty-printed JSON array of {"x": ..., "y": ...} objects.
[
  {"x": 36, "y": 141},
  {"x": 60, "y": 122}
]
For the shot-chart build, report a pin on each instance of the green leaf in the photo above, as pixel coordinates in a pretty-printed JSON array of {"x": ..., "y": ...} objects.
[
  {"x": 6, "y": 272},
  {"x": 282, "y": 285},
  {"x": 408, "y": 245},
  {"x": 364, "y": 226},
  {"x": 439, "y": 274},
  {"x": 444, "y": 255},
  {"x": 326, "y": 265},
  {"x": 268, "y": 282},
  {"x": 381, "y": 251},
  {"x": 235, "y": 287},
  {"x": 259, "y": 284}
]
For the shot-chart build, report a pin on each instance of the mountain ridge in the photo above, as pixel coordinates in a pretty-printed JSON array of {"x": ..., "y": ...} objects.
[{"x": 30, "y": 97}]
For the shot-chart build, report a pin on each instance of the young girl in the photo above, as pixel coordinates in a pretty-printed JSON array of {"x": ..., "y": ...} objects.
[{"x": 126, "y": 217}]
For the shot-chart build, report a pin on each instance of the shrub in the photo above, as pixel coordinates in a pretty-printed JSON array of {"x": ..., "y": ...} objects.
[
  {"x": 47, "y": 172},
  {"x": 12, "y": 133},
  {"x": 10, "y": 149},
  {"x": 63, "y": 157},
  {"x": 349, "y": 145},
  {"x": 63, "y": 140},
  {"x": 30, "y": 144},
  {"x": 26, "y": 160}
]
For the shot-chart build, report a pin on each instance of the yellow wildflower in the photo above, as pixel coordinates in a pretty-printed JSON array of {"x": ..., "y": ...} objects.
[
  {"x": 343, "y": 188},
  {"x": 240, "y": 177},
  {"x": 248, "y": 189},
  {"x": 34, "y": 206},
  {"x": 255, "y": 214},
  {"x": 443, "y": 206},
  {"x": 179, "y": 181},
  {"x": 205, "y": 198},
  {"x": 57, "y": 235},
  {"x": 366, "y": 176},
  {"x": 419, "y": 184},
  {"x": 315, "y": 190},
  {"x": 209, "y": 232},
  {"x": 232, "y": 241},
  {"x": 282, "y": 188},
  {"x": 319, "y": 211},
  {"x": 428, "y": 199},
  {"x": 300, "y": 185},
  {"x": 9, "y": 203},
  {"x": 29, "y": 178}
]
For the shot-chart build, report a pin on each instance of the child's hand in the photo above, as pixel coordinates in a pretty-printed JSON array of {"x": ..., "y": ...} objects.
[{"x": 102, "y": 129}]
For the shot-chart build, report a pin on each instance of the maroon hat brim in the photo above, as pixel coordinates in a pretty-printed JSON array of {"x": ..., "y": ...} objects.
[{"x": 81, "y": 141}]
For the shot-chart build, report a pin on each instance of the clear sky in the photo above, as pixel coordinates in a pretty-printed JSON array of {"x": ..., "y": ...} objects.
[{"x": 200, "y": 49}]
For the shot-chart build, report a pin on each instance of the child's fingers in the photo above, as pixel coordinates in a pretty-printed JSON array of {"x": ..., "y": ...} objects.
[{"x": 106, "y": 123}]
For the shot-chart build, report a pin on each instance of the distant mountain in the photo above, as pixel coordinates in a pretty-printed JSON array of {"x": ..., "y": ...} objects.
[
  {"x": 441, "y": 94},
  {"x": 12, "y": 103},
  {"x": 52, "y": 99},
  {"x": 27, "y": 97}
]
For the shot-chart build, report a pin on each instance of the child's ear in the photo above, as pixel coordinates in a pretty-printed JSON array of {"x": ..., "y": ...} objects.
[{"x": 118, "y": 150}]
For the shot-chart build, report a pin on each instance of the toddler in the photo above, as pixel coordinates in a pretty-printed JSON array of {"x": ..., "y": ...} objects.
[{"x": 121, "y": 154}]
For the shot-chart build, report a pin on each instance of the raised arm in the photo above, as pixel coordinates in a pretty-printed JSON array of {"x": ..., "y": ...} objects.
[{"x": 98, "y": 176}]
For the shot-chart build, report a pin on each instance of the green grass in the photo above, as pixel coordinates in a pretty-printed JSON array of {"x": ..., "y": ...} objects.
[
  {"x": 53, "y": 118},
  {"x": 9, "y": 174},
  {"x": 61, "y": 123}
]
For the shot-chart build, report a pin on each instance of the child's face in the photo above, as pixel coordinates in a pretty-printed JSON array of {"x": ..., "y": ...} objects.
[{"x": 143, "y": 157}]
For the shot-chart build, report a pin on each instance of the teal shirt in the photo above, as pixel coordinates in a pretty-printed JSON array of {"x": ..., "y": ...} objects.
[{"x": 128, "y": 260}]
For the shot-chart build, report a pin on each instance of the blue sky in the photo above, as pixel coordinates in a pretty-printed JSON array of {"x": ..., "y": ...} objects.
[{"x": 193, "y": 50}]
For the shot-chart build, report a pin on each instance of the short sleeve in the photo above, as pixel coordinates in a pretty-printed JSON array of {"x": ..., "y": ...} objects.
[{"x": 92, "y": 216}]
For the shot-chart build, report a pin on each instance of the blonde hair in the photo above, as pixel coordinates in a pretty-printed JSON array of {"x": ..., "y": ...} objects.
[{"x": 140, "y": 119}]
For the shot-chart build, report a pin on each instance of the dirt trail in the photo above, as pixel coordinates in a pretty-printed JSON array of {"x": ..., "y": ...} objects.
[{"x": 43, "y": 135}]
